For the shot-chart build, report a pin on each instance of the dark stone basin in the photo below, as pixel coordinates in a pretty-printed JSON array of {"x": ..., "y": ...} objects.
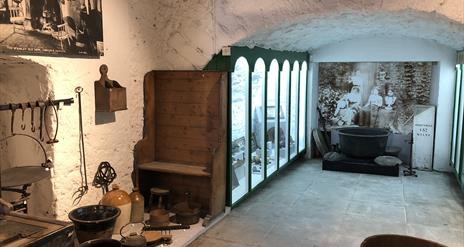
[{"x": 363, "y": 142}]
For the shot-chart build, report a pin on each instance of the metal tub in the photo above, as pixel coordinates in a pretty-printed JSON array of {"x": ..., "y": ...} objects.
[{"x": 363, "y": 142}]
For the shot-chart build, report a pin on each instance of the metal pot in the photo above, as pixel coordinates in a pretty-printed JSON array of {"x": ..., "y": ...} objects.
[
  {"x": 363, "y": 142},
  {"x": 132, "y": 235},
  {"x": 94, "y": 221},
  {"x": 187, "y": 213}
]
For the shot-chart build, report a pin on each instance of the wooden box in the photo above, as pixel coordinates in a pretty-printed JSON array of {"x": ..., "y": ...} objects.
[{"x": 110, "y": 98}]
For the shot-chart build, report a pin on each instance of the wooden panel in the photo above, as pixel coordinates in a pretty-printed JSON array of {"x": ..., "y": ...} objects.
[
  {"x": 181, "y": 169},
  {"x": 218, "y": 170},
  {"x": 191, "y": 157},
  {"x": 171, "y": 120},
  {"x": 187, "y": 132},
  {"x": 188, "y": 109},
  {"x": 180, "y": 75},
  {"x": 187, "y": 97},
  {"x": 186, "y": 144},
  {"x": 188, "y": 85}
]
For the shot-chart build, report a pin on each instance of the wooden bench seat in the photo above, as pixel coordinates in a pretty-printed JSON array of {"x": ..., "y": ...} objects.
[{"x": 175, "y": 168}]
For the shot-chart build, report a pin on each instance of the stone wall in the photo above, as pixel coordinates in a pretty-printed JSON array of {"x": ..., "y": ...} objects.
[{"x": 141, "y": 35}]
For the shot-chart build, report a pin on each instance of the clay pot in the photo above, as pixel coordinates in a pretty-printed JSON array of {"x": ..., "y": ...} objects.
[
  {"x": 94, "y": 221},
  {"x": 120, "y": 199}
]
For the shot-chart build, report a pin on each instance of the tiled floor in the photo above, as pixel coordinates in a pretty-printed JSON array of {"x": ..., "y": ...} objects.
[{"x": 306, "y": 206}]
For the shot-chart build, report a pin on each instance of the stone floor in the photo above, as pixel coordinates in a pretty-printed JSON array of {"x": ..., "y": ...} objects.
[{"x": 306, "y": 206}]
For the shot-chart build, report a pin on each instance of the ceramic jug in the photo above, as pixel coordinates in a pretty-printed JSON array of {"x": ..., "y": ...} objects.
[
  {"x": 120, "y": 199},
  {"x": 137, "y": 210}
]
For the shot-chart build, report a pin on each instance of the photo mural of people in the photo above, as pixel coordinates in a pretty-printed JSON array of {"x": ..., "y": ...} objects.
[
  {"x": 373, "y": 94},
  {"x": 51, "y": 27}
]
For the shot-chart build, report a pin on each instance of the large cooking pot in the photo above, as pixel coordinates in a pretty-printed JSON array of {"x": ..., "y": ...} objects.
[
  {"x": 94, "y": 221},
  {"x": 363, "y": 142}
]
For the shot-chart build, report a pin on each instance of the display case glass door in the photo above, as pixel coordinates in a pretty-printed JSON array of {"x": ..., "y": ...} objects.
[
  {"x": 284, "y": 113},
  {"x": 302, "y": 108},
  {"x": 272, "y": 118},
  {"x": 293, "y": 142},
  {"x": 258, "y": 145},
  {"x": 239, "y": 129}
]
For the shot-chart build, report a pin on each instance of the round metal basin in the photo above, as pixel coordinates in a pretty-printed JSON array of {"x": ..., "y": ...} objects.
[{"x": 363, "y": 142}]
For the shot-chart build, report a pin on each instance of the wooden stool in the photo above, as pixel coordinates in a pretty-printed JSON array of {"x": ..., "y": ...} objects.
[{"x": 158, "y": 193}]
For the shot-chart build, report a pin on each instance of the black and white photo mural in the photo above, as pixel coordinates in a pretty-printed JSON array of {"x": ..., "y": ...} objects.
[
  {"x": 379, "y": 95},
  {"x": 51, "y": 27}
]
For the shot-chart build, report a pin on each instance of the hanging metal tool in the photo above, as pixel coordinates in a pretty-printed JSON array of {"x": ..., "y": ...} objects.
[
  {"x": 55, "y": 111},
  {"x": 23, "y": 108},
  {"x": 82, "y": 190},
  {"x": 13, "y": 110},
  {"x": 32, "y": 106},
  {"x": 41, "y": 119}
]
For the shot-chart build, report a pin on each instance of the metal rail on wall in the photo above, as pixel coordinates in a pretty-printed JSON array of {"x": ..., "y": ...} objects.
[{"x": 7, "y": 107}]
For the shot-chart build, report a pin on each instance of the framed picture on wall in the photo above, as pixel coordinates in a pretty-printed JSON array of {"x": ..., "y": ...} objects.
[{"x": 51, "y": 27}]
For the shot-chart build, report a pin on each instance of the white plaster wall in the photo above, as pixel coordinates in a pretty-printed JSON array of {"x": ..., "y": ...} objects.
[
  {"x": 113, "y": 141},
  {"x": 390, "y": 49}
]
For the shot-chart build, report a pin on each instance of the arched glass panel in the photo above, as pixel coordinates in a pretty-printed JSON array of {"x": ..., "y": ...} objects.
[
  {"x": 272, "y": 117},
  {"x": 294, "y": 109},
  {"x": 460, "y": 125},
  {"x": 239, "y": 129},
  {"x": 302, "y": 118},
  {"x": 284, "y": 113},
  {"x": 258, "y": 78}
]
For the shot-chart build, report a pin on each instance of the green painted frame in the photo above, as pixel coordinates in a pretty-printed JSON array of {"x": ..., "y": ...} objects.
[{"x": 227, "y": 63}]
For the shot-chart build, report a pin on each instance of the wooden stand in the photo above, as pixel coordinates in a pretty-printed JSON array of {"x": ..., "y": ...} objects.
[{"x": 184, "y": 138}]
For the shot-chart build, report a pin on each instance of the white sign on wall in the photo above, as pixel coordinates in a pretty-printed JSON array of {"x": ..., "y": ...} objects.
[{"x": 423, "y": 136}]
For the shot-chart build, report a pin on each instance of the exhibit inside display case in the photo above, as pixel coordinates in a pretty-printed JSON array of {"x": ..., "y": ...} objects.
[{"x": 263, "y": 141}]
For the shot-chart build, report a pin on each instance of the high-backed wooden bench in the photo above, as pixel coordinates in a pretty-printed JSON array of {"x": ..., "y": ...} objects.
[{"x": 184, "y": 137}]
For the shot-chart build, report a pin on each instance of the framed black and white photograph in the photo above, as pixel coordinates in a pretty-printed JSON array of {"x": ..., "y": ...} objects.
[
  {"x": 51, "y": 27},
  {"x": 380, "y": 95}
]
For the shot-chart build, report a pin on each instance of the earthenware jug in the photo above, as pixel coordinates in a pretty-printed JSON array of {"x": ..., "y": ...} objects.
[
  {"x": 120, "y": 199},
  {"x": 137, "y": 202}
]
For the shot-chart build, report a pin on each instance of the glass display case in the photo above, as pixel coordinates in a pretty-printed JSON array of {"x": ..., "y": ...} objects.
[
  {"x": 294, "y": 109},
  {"x": 284, "y": 110},
  {"x": 239, "y": 129},
  {"x": 257, "y": 123},
  {"x": 302, "y": 108},
  {"x": 272, "y": 118}
]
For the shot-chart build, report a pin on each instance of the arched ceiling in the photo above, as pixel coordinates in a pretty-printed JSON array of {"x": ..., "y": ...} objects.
[{"x": 313, "y": 32}]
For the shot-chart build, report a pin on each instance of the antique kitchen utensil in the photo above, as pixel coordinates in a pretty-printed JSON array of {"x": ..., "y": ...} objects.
[
  {"x": 187, "y": 212},
  {"x": 132, "y": 235},
  {"x": 94, "y": 221},
  {"x": 32, "y": 106},
  {"x": 82, "y": 190},
  {"x": 55, "y": 112},
  {"x": 41, "y": 105},
  {"x": 104, "y": 176},
  {"x": 23, "y": 109}
]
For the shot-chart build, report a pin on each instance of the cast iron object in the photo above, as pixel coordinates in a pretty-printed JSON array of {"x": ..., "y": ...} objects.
[
  {"x": 94, "y": 221},
  {"x": 187, "y": 213},
  {"x": 363, "y": 142},
  {"x": 101, "y": 243},
  {"x": 387, "y": 240}
]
